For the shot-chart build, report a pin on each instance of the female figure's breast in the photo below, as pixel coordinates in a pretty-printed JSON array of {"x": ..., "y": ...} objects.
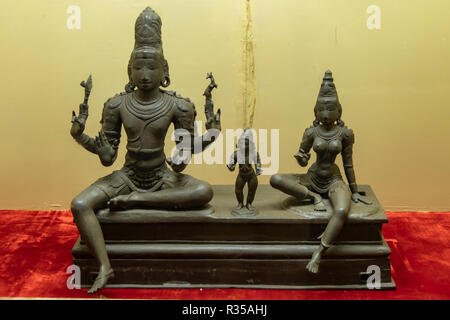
[
  {"x": 326, "y": 151},
  {"x": 322, "y": 146}
]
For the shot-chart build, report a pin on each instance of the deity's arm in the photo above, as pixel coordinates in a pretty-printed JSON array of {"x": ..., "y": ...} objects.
[
  {"x": 78, "y": 126},
  {"x": 185, "y": 120},
  {"x": 109, "y": 138},
  {"x": 258, "y": 164},
  {"x": 105, "y": 145},
  {"x": 233, "y": 161},
  {"x": 86, "y": 142},
  {"x": 303, "y": 154},
  {"x": 347, "y": 158}
]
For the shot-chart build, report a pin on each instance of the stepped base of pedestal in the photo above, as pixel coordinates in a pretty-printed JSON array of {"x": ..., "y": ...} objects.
[{"x": 214, "y": 248}]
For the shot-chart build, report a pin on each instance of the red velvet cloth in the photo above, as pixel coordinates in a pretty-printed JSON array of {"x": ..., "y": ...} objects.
[{"x": 35, "y": 251}]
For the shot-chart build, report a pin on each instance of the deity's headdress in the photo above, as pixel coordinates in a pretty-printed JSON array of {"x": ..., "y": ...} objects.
[
  {"x": 246, "y": 135},
  {"x": 328, "y": 94},
  {"x": 148, "y": 37}
]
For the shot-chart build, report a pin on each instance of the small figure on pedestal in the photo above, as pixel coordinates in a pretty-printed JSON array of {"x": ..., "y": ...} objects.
[{"x": 245, "y": 156}]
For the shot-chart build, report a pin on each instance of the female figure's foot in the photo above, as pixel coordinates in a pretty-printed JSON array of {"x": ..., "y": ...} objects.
[
  {"x": 103, "y": 276},
  {"x": 313, "y": 264},
  {"x": 319, "y": 205}
]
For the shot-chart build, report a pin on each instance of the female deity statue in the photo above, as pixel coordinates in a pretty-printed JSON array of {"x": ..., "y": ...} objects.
[
  {"x": 146, "y": 112},
  {"x": 328, "y": 136},
  {"x": 245, "y": 156}
]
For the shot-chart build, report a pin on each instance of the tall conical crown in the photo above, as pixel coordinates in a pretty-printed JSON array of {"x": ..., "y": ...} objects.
[
  {"x": 327, "y": 91},
  {"x": 148, "y": 30}
]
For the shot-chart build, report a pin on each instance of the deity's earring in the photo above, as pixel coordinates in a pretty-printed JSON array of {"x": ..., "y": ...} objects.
[
  {"x": 165, "y": 82},
  {"x": 130, "y": 86}
]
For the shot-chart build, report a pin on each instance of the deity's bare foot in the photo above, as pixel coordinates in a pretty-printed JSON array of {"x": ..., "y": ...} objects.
[
  {"x": 250, "y": 207},
  {"x": 319, "y": 205},
  {"x": 122, "y": 202},
  {"x": 313, "y": 264},
  {"x": 102, "y": 279},
  {"x": 239, "y": 206}
]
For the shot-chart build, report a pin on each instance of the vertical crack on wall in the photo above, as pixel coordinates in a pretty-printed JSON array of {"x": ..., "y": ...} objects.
[{"x": 249, "y": 70}]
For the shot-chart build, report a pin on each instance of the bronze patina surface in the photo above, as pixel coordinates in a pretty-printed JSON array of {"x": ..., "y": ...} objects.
[
  {"x": 214, "y": 248},
  {"x": 145, "y": 111}
]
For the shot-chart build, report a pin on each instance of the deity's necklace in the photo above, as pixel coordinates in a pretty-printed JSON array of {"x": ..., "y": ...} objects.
[{"x": 139, "y": 109}]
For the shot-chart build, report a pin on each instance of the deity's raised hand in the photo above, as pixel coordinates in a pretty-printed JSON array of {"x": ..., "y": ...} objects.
[
  {"x": 212, "y": 120},
  {"x": 79, "y": 122},
  {"x": 211, "y": 86}
]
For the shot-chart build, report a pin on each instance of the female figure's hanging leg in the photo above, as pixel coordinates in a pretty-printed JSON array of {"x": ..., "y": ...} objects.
[
  {"x": 88, "y": 225},
  {"x": 340, "y": 198}
]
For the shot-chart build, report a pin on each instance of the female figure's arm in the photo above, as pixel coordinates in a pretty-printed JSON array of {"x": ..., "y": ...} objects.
[
  {"x": 347, "y": 159},
  {"x": 303, "y": 155}
]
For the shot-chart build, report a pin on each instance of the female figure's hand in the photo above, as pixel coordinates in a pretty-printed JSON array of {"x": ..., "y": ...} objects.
[
  {"x": 356, "y": 197},
  {"x": 302, "y": 158}
]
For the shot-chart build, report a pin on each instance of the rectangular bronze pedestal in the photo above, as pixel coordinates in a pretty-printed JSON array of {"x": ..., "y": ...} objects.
[{"x": 213, "y": 248}]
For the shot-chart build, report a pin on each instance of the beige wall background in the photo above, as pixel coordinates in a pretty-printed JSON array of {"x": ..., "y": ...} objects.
[{"x": 393, "y": 84}]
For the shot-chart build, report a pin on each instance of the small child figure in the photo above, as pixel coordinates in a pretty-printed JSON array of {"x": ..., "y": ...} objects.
[{"x": 245, "y": 155}]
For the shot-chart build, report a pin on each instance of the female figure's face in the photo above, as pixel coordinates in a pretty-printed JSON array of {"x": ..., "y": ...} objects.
[
  {"x": 327, "y": 113},
  {"x": 147, "y": 70}
]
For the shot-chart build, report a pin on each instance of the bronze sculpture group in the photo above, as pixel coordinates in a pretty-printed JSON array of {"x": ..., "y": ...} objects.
[{"x": 146, "y": 111}]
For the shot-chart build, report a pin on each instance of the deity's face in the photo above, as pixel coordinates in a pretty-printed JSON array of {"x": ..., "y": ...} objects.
[
  {"x": 327, "y": 113},
  {"x": 147, "y": 70}
]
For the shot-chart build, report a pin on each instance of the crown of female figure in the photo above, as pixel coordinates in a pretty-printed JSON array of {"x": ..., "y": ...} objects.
[{"x": 327, "y": 91}]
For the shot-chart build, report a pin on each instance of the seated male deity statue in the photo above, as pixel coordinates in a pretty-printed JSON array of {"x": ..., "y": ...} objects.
[{"x": 146, "y": 112}]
